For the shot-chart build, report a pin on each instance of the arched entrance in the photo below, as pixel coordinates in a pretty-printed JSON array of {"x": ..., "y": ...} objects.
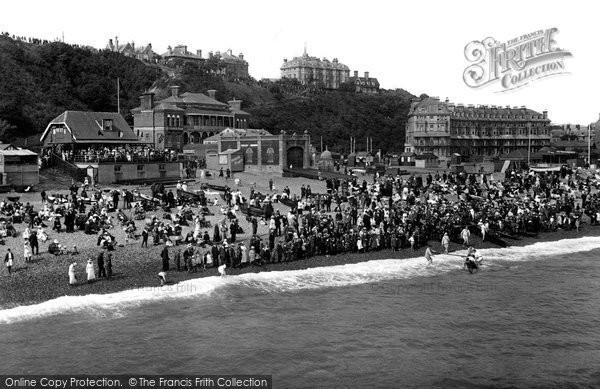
[
  {"x": 295, "y": 157},
  {"x": 195, "y": 137}
]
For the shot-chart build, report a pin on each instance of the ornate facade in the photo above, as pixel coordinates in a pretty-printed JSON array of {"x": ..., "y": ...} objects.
[
  {"x": 317, "y": 72},
  {"x": 443, "y": 128},
  {"x": 178, "y": 120}
]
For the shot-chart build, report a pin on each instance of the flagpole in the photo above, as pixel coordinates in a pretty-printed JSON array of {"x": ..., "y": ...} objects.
[{"x": 118, "y": 97}]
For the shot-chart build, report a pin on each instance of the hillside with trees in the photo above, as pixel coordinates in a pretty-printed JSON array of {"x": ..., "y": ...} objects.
[{"x": 39, "y": 80}]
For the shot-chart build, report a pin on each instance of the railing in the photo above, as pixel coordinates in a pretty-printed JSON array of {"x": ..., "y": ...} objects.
[
  {"x": 77, "y": 173},
  {"x": 133, "y": 159}
]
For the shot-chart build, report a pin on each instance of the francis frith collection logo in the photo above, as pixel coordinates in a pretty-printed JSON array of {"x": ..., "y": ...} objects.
[{"x": 515, "y": 63}]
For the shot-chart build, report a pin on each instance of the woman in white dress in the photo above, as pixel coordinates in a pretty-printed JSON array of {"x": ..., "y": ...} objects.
[
  {"x": 27, "y": 253},
  {"x": 89, "y": 269},
  {"x": 72, "y": 278},
  {"x": 41, "y": 235}
]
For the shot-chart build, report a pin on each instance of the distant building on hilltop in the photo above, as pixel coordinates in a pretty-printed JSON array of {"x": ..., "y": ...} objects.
[
  {"x": 182, "y": 119},
  {"x": 313, "y": 71},
  {"x": 235, "y": 67},
  {"x": 364, "y": 84},
  {"x": 443, "y": 128},
  {"x": 178, "y": 55},
  {"x": 144, "y": 53}
]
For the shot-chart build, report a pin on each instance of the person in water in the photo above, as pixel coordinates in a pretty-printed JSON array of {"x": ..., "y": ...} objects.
[
  {"x": 472, "y": 260},
  {"x": 429, "y": 254}
]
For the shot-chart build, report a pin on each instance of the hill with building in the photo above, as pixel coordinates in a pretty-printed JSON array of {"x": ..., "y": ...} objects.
[{"x": 39, "y": 80}]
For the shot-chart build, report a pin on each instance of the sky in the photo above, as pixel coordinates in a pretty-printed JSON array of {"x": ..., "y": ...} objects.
[{"x": 417, "y": 46}]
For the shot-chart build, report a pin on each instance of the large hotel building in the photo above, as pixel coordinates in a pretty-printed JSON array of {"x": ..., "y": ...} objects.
[{"x": 443, "y": 128}]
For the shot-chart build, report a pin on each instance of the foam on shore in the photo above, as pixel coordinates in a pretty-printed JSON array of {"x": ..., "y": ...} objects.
[{"x": 292, "y": 280}]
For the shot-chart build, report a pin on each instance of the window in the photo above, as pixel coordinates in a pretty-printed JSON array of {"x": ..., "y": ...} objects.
[
  {"x": 117, "y": 168},
  {"x": 270, "y": 155},
  {"x": 107, "y": 124},
  {"x": 140, "y": 168},
  {"x": 162, "y": 166},
  {"x": 249, "y": 155}
]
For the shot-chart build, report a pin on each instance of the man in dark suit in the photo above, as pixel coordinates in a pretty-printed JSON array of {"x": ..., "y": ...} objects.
[
  {"x": 8, "y": 260},
  {"x": 165, "y": 258},
  {"x": 145, "y": 237},
  {"x": 33, "y": 241},
  {"x": 101, "y": 269}
]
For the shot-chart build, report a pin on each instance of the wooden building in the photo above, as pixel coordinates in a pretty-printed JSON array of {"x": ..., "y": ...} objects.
[{"x": 18, "y": 167}]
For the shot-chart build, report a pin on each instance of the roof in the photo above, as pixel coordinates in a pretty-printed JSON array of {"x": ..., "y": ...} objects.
[
  {"x": 426, "y": 156},
  {"x": 7, "y": 146},
  {"x": 87, "y": 126},
  {"x": 435, "y": 105},
  {"x": 193, "y": 98},
  {"x": 19, "y": 152},
  {"x": 520, "y": 154},
  {"x": 230, "y": 151},
  {"x": 236, "y": 132},
  {"x": 314, "y": 62},
  {"x": 407, "y": 154}
]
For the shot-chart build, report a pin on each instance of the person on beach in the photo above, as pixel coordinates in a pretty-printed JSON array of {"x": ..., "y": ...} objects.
[
  {"x": 33, "y": 242},
  {"x": 108, "y": 266},
  {"x": 162, "y": 276},
  {"x": 164, "y": 255},
  {"x": 8, "y": 261},
  {"x": 101, "y": 268},
  {"x": 145, "y": 237},
  {"x": 465, "y": 234},
  {"x": 89, "y": 269},
  {"x": 221, "y": 270},
  {"x": 446, "y": 242},
  {"x": 27, "y": 251},
  {"x": 429, "y": 254},
  {"x": 72, "y": 277}
]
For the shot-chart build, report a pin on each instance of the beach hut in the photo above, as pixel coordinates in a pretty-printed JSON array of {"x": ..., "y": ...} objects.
[{"x": 426, "y": 161}]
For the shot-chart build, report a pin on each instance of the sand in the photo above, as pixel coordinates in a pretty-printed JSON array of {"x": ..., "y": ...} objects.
[{"x": 46, "y": 276}]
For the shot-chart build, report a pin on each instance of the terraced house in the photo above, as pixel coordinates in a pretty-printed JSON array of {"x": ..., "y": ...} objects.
[{"x": 443, "y": 128}]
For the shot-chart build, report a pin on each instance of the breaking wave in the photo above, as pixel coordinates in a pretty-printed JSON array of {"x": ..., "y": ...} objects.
[{"x": 114, "y": 304}]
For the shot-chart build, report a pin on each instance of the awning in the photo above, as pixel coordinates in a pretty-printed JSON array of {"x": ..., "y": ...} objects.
[{"x": 546, "y": 169}]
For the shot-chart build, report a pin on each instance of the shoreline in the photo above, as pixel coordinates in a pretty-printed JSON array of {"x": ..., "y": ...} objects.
[{"x": 45, "y": 284}]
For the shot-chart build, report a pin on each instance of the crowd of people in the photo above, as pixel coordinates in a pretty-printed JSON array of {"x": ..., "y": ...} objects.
[
  {"x": 395, "y": 213},
  {"x": 353, "y": 216}
]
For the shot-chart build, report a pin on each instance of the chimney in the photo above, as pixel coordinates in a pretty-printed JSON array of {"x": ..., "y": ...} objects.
[
  {"x": 211, "y": 93},
  {"x": 235, "y": 105},
  {"x": 147, "y": 101},
  {"x": 284, "y": 60},
  {"x": 199, "y": 53},
  {"x": 117, "y": 43},
  {"x": 545, "y": 113},
  {"x": 170, "y": 50},
  {"x": 175, "y": 91},
  {"x": 356, "y": 74},
  {"x": 133, "y": 45},
  {"x": 367, "y": 75},
  {"x": 241, "y": 56}
]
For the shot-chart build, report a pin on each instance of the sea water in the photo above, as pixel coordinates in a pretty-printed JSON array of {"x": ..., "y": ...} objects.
[{"x": 529, "y": 318}]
